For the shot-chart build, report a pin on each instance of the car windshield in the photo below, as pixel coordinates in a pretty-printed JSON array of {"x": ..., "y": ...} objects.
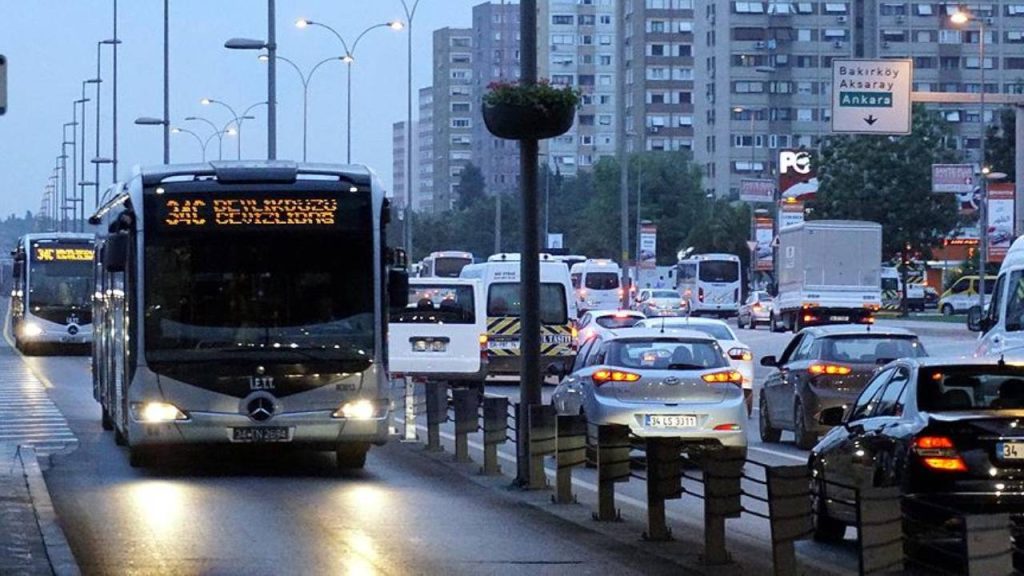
[
  {"x": 666, "y": 354},
  {"x": 955, "y": 388},
  {"x": 869, "y": 349},
  {"x": 602, "y": 281},
  {"x": 719, "y": 271},
  {"x": 672, "y": 294},
  {"x": 623, "y": 321},
  {"x": 437, "y": 304}
]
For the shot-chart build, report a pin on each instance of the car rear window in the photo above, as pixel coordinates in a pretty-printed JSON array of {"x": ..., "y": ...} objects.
[
  {"x": 602, "y": 280},
  {"x": 503, "y": 300},
  {"x": 956, "y": 388},
  {"x": 868, "y": 349},
  {"x": 617, "y": 321},
  {"x": 437, "y": 304},
  {"x": 666, "y": 354},
  {"x": 666, "y": 294}
]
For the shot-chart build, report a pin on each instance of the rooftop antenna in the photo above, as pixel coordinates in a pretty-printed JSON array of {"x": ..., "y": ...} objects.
[
  {"x": 662, "y": 324},
  {"x": 1002, "y": 360}
]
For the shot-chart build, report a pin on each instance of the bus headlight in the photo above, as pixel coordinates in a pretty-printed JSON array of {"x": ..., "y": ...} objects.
[
  {"x": 155, "y": 412},
  {"x": 31, "y": 329},
  {"x": 357, "y": 410}
]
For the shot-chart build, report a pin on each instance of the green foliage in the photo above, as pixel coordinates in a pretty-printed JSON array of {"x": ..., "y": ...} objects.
[
  {"x": 1001, "y": 144},
  {"x": 542, "y": 94},
  {"x": 888, "y": 180},
  {"x": 12, "y": 227},
  {"x": 472, "y": 188}
]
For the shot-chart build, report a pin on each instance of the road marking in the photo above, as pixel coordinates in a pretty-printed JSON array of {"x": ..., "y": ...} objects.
[{"x": 777, "y": 453}]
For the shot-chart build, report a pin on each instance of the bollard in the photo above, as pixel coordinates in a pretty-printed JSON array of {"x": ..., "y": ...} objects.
[
  {"x": 467, "y": 420},
  {"x": 495, "y": 424},
  {"x": 988, "y": 543},
  {"x": 570, "y": 451},
  {"x": 723, "y": 472},
  {"x": 789, "y": 513},
  {"x": 542, "y": 443},
  {"x": 880, "y": 530},
  {"x": 611, "y": 443},
  {"x": 437, "y": 413},
  {"x": 664, "y": 482}
]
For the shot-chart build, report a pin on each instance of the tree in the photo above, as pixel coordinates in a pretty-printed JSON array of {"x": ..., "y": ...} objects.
[
  {"x": 888, "y": 180},
  {"x": 471, "y": 189},
  {"x": 1001, "y": 144}
]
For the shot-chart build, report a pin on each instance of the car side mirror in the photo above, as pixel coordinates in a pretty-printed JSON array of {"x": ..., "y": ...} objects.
[
  {"x": 770, "y": 361},
  {"x": 977, "y": 321},
  {"x": 833, "y": 416},
  {"x": 115, "y": 252},
  {"x": 556, "y": 369}
]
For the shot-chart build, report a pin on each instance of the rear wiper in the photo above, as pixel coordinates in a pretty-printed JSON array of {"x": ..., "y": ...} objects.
[{"x": 685, "y": 367}]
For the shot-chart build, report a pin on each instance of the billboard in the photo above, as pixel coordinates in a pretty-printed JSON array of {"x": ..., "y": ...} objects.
[
  {"x": 648, "y": 245},
  {"x": 791, "y": 213},
  {"x": 797, "y": 177},
  {"x": 757, "y": 190},
  {"x": 763, "y": 236},
  {"x": 1000, "y": 229},
  {"x": 954, "y": 178}
]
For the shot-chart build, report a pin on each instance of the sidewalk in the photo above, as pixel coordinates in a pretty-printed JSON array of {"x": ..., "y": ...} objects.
[{"x": 31, "y": 541}]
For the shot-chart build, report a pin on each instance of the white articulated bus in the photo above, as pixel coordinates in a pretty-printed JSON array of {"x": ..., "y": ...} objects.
[
  {"x": 245, "y": 303},
  {"x": 51, "y": 290},
  {"x": 710, "y": 283}
]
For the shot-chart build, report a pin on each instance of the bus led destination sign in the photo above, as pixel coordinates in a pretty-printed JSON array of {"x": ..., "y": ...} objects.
[
  {"x": 55, "y": 254},
  {"x": 210, "y": 212}
]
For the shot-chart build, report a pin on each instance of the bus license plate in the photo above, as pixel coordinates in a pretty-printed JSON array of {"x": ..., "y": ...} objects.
[
  {"x": 1010, "y": 450},
  {"x": 670, "y": 420},
  {"x": 503, "y": 344},
  {"x": 839, "y": 318},
  {"x": 262, "y": 434}
]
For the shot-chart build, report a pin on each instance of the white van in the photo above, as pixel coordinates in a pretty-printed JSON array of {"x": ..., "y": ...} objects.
[
  {"x": 597, "y": 284},
  {"x": 500, "y": 279},
  {"x": 441, "y": 333},
  {"x": 892, "y": 291},
  {"x": 1002, "y": 323}
]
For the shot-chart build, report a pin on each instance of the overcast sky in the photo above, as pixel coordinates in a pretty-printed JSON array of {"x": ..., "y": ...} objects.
[{"x": 50, "y": 46}]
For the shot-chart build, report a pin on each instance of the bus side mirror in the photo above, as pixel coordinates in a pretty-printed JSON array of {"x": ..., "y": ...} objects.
[
  {"x": 18, "y": 269},
  {"x": 115, "y": 252},
  {"x": 398, "y": 289}
]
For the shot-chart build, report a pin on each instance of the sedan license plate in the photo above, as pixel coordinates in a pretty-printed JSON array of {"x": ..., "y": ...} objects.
[
  {"x": 262, "y": 434},
  {"x": 839, "y": 318},
  {"x": 1010, "y": 450},
  {"x": 503, "y": 344},
  {"x": 670, "y": 420}
]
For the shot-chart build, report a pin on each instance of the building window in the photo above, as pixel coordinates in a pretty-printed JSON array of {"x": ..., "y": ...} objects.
[
  {"x": 949, "y": 37},
  {"x": 460, "y": 107},
  {"x": 604, "y": 60},
  {"x": 924, "y": 9},
  {"x": 562, "y": 19},
  {"x": 655, "y": 49},
  {"x": 461, "y": 123},
  {"x": 461, "y": 59},
  {"x": 836, "y": 8},
  {"x": 748, "y": 7},
  {"x": 656, "y": 26}
]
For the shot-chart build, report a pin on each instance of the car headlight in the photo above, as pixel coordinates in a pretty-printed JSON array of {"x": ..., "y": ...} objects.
[
  {"x": 155, "y": 412},
  {"x": 31, "y": 329},
  {"x": 357, "y": 410}
]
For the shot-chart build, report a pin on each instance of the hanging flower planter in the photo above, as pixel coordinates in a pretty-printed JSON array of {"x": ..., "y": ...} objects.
[{"x": 526, "y": 112}]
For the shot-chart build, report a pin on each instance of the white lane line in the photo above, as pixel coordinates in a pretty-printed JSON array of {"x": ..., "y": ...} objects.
[{"x": 777, "y": 453}]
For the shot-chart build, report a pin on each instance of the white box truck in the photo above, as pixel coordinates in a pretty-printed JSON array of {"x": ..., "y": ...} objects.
[{"x": 829, "y": 273}]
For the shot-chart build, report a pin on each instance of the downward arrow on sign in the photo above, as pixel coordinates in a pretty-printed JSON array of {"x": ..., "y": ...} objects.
[{"x": 871, "y": 119}]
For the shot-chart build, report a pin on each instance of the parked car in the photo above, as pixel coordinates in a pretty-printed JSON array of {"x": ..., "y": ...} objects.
[
  {"x": 601, "y": 321},
  {"x": 822, "y": 367},
  {"x": 660, "y": 302},
  {"x": 931, "y": 298},
  {"x": 757, "y": 308},
  {"x": 942, "y": 430},
  {"x": 660, "y": 384}
]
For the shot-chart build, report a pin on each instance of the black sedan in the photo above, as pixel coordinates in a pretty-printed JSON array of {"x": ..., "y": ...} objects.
[
  {"x": 947, "y": 431},
  {"x": 825, "y": 366}
]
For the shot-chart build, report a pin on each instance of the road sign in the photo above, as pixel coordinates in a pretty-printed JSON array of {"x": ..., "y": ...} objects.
[
  {"x": 871, "y": 96},
  {"x": 751, "y": 245},
  {"x": 3, "y": 84}
]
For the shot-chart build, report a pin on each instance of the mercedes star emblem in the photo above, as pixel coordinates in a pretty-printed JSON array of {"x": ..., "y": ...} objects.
[{"x": 260, "y": 409}]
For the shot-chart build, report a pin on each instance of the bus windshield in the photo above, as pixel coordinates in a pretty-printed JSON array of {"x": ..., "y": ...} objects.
[
  {"x": 503, "y": 301},
  {"x": 450, "y": 267},
  {"x": 60, "y": 281},
  {"x": 719, "y": 271},
  {"x": 221, "y": 293}
]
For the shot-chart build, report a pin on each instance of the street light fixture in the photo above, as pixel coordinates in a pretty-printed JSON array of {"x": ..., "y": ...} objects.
[
  {"x": 271, "y": 48},
  {"x": 349, "y": 58},
  {"x": 306, "y": 79}
]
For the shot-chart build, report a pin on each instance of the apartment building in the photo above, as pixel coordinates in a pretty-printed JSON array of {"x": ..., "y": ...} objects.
[
  {"x": 764, "y": 71},
  {"x": 454, "y": 112},
  {"x": 399, "y": 141},
  {"x": 578, "y": 46},
  {"x": 423, "y": 191}
]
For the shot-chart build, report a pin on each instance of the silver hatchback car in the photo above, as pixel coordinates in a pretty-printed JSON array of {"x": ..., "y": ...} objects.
[{"x": 660, "y": 384}]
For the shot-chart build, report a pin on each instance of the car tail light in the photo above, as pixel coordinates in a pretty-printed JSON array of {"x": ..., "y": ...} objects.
[
  {"x": 829, "y": 369},
  {"x": 809, "y": 318},
  {"x": 939, "y": 453},
  {"x": 483, "y": 342},
  {"x": 621, "y": 293},
  {"x": 575, "y": 333},
  {"x": 728, "y": 428},
  {"x": 756, "y": 307},
  {"x": 583, "y": 293},
  {"x": 604, "y": 376},
  {"x": 700, "y": 294},
  {"x": 723, "y": 377},
  {"x": 740, "y": 354}
]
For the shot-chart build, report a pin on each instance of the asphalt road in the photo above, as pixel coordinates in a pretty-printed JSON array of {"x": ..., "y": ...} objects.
[{"x": 217, "y": 513}]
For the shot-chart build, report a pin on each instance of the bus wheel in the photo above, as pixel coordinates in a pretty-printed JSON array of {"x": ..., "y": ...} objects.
[
  {"x": 106, "y": 421},
  {"x": 351, "y": 456}
]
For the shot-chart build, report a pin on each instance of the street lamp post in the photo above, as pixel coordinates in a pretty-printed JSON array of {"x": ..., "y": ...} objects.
[
  {"x": 349, "y": 58},
  {"x": 99, "y": 79},
  {"x": 271, "y": 47},
  {"x": 410, "y": 15},
  {"x": 234, "y": 115},
  {"x": 202, "y": 143},
  {"x": 961, "y": 18},
  {"x": 305, "y": 79},
  {"x": 216, "y": 131}
]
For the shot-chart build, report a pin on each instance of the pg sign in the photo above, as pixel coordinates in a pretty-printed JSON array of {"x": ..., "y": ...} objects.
[
  {"x": 871, "y": 96},
  {"x": 797, "y": 178}
]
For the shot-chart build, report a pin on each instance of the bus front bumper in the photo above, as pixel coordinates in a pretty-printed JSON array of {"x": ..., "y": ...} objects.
[{"x": 315, "y": 430}]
